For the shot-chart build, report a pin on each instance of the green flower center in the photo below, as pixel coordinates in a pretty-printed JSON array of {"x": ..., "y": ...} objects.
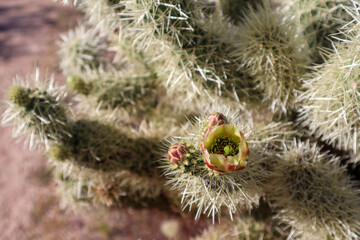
[
  {"x": 225, "y": 145},
  {"x": 228, "y": 150}
]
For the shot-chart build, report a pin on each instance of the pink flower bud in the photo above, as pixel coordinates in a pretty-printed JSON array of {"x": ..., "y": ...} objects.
[
  {"x": 176, "y": 153},
  {"x": 214, "y": 119}
]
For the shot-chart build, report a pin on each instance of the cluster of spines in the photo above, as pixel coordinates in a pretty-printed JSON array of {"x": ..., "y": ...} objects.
[
  {"x": 311, "y": 192},
  {"x": 330, "y": 104},
  {"x": 81, "y": 138},
  {"x": 81, "y": 50},
  {"x": 208, "y": 49},
  {"x": 271, "y": 53},
  {"x": 103, "y": 148},
  {"x": 210, "y": 191},
  {"x": 202, "y": 52},
  {"x": 114, "y": 91},
  {"x": 38, "y": 112},
  {"x": 123, "y": 188},
  {"x": 319, "y": 21},
  {"x": 84, "y": 147},
  {"x": 201, "y": 47}
]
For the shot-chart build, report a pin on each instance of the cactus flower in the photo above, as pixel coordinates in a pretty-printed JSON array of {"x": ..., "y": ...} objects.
[
  {"x": 176, "y": 153},
  {"x": 225, "y": 148}
]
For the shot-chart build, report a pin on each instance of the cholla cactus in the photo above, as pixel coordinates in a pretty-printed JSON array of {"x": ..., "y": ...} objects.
[
  {"x": 216, "y": 169},
  {"x": 38, "y": 112},
  {"x": 81, "y": 50},
  {"x": 113, "y": 91},
  {"x": 312, "y": 193},
  {"x": 269, "y": 48},
  {"x": 76, "y": 148},
  {"x": 138, "y": 70},
  {"x": 319, "y": 22},
  {"x": 331, "y": 102}
]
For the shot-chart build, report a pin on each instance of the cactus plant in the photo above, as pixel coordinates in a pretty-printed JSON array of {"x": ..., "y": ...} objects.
[
  {"x": 313, "y": 194},
  {"x": 212, "y": 107},
  {"x": 270, "y": 51},
  {"x": 330, "y": 104}
]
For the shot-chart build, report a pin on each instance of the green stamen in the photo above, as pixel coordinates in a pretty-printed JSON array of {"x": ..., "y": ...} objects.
[{"x": 228, "y": 150}]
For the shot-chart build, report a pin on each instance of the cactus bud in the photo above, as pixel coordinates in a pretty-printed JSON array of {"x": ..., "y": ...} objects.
[
  {"x": 19, "y": 96},
  {"x": 214, "y": 119},
  {"x": 177, "y": 153},
  {"x": 77, "y": 84}
]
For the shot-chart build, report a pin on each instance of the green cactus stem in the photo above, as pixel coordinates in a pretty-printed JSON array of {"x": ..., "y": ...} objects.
[{"x": 102, "y": 147}]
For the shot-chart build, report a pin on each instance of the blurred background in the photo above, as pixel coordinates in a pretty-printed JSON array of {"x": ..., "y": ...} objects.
[{"x": 29, "y": 204}]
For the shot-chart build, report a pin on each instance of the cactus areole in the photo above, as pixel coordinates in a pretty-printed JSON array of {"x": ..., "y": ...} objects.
[
  {"x": 225, "y": 148},
  {"x": 176, "y": 153}
]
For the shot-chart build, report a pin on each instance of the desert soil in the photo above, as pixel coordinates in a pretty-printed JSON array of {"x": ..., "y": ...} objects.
[{"x": 29, "y": 204}]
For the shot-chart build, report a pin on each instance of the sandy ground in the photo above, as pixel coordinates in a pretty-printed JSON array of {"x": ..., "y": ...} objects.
[{"x": 29, "y": 206}]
